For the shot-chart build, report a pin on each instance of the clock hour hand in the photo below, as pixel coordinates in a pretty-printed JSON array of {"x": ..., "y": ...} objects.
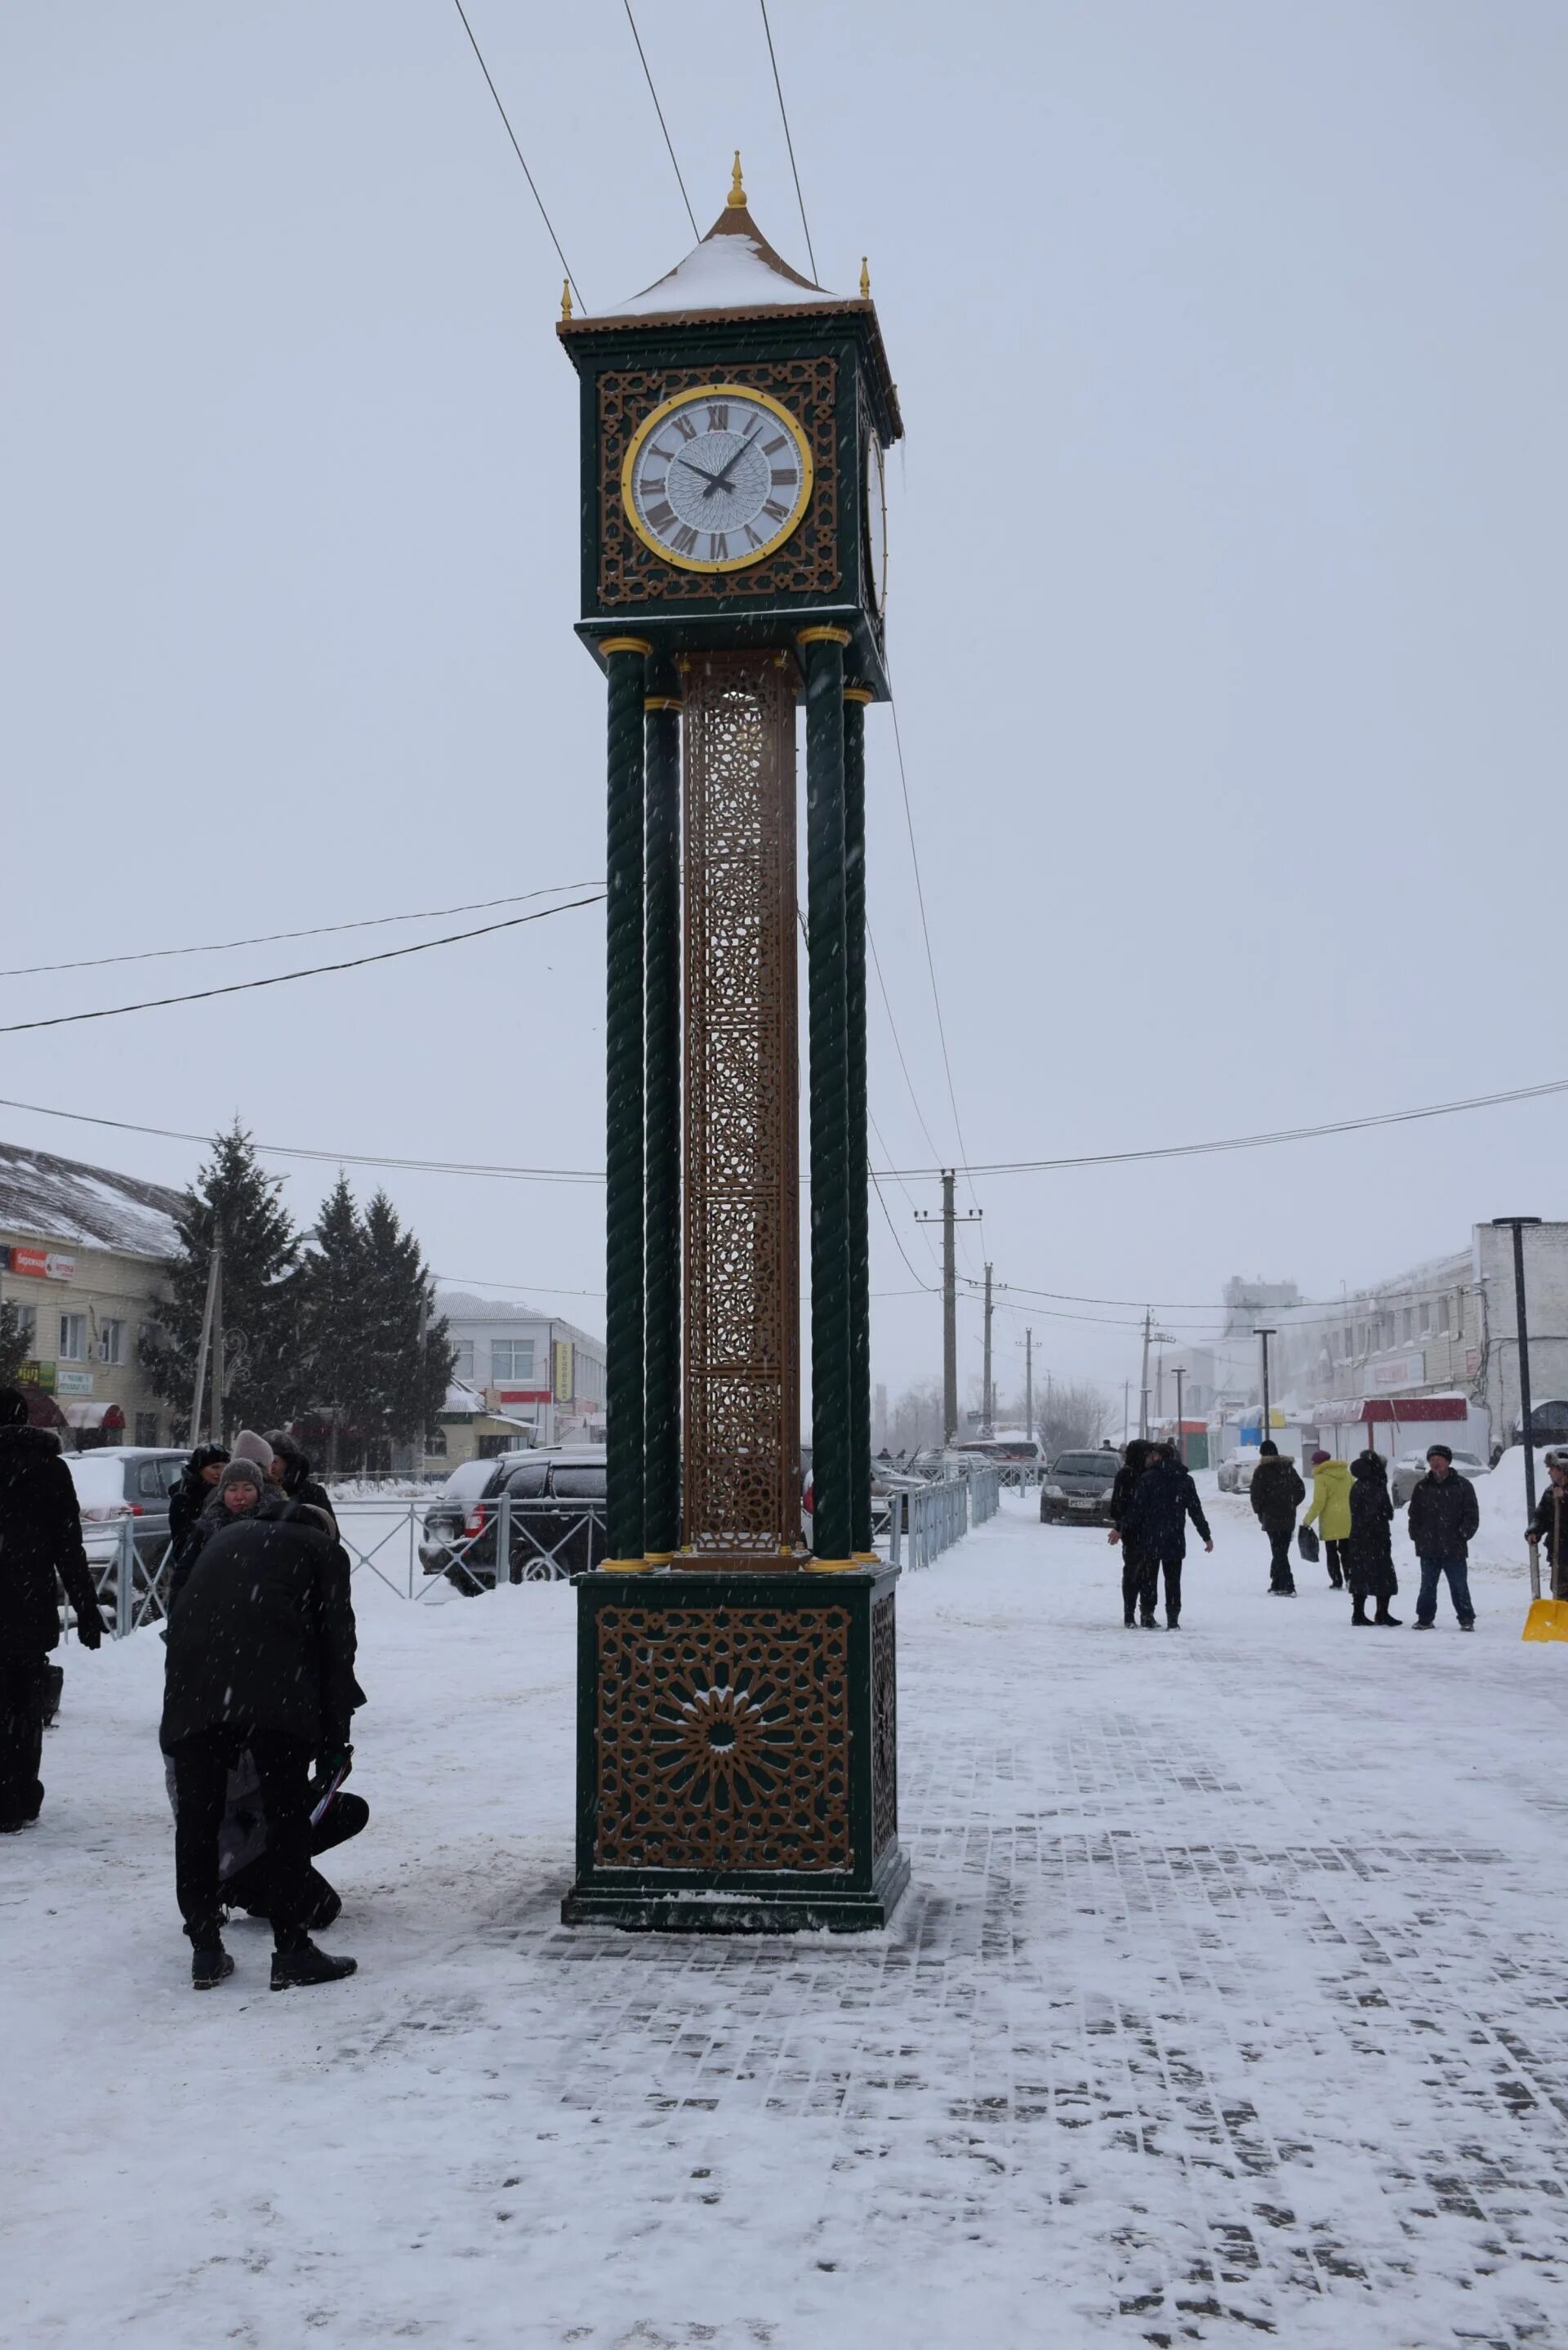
[{"x": 715, "y": 481}]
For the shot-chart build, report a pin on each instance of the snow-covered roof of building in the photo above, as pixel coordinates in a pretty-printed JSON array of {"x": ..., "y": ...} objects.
[{"x": 62, "y": 1200}]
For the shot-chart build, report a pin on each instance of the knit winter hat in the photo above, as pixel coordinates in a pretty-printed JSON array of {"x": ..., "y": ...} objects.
[
  {"x": 243, "y": 1472},
  {"x": 1321, "y": 1455},
  {"x": 249, "y": 1446}
]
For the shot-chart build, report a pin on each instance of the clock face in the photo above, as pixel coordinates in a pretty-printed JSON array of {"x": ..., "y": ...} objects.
[
  {"x": 716, "y": 478},
  {"x": 875, "y": 524}
]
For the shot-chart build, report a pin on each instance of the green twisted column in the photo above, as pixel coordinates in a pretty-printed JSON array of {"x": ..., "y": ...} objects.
[
  {"x": 828, "y": 1028},
  {"x": 662, "y": 1350},
  {"x": 624, "y": 661},
  {"x": 857, "y": 1159}
]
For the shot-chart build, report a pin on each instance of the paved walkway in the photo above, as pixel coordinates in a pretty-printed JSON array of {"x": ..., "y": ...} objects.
[{"x": 1228, "y": 2001}]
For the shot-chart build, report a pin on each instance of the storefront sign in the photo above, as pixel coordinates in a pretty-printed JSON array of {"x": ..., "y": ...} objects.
[
  {"x": 76, "y": 1383},
  {"x": 565, "y": 1378},
  {"x": 38, "y": 1375},
  {"x": 506, "y": 1396},
  {"x": 1399, "y": 1371},
  {"x": 41, "y": 1265}
]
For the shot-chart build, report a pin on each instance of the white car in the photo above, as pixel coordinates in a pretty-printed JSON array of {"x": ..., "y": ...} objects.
[
  {"x": 1235, "y": 1475},
  {"x": 1411, "y": 1467}
]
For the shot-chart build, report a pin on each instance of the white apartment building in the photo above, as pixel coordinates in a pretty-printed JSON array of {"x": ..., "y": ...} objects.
[{"x": 521, "y": 1377}]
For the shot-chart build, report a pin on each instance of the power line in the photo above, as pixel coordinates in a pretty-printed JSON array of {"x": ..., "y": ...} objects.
[
  {"x": 653, "y": 94},
  {"x": 789, "y": 142},
  {"x": 517, "y": 151},
  {"x": 274, "y": 938},
  {"x": 280, "y": 978}
]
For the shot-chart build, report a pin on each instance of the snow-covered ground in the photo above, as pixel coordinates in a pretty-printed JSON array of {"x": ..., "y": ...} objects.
[{"x": 1231, "y": 1997}]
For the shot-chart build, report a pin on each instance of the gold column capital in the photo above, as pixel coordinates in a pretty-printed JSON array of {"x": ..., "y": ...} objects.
[
  {"x": 858, "y": 693},
  {"x": 662, "y": 702},
  {"x": 824, "y": 636},
  {"x": 624, "y": 645}
]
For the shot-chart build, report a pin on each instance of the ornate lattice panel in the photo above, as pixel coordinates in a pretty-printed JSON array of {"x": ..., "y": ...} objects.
[
  {"x": 723, "y": 1738},
  {"x": 741, "y": 1399},
  {"x": 884, "y": 1726},
  {"x": 807, "y": 564}
]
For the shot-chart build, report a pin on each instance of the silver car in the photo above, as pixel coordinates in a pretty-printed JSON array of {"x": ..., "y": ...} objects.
[{"x": 1411, "y": 1467}]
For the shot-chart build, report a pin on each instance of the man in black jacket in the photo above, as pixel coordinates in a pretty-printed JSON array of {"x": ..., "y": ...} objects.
[
  {"x": 1276, "y": 1493},
  {"x": 1156, "y": 1522},
  {"x": 40, "y": 1539},
  {"x": 1444, "y": 1514},
  {"x": 1140, "y": 1575},
  {"x": 260, "y": 1661}
]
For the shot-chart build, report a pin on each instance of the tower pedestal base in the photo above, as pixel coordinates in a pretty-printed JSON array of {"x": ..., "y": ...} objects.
[{"x": 737, "y": 1752}]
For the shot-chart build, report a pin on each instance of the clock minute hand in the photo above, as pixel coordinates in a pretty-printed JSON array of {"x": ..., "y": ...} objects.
[
  {"x": 723, "y": 479},
  {"x": 715, "y": 481}
]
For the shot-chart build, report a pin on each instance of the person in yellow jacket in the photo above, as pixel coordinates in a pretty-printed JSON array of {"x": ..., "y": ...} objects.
[{"x": 1331, "y": 1508}]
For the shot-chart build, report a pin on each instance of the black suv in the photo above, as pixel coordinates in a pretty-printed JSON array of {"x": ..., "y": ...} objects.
[{"x": 554, "y": 1507}]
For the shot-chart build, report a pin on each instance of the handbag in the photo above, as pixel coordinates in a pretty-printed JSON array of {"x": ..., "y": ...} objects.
[{"x": 1308, "y": 1545}]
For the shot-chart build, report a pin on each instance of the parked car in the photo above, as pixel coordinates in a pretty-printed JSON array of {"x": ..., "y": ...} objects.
[
  {"x": 122, "y": 1482},
  {"x": 1410, "y": 1468},
  {"x": 1078, "y": 1489},
  {"x": 1235, "y": 1475},
  {"x": 556, "y": 1514}
]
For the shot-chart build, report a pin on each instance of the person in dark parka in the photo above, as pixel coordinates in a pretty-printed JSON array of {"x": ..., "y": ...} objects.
[
  {"x": 260, "y": 1661},
  {"x": 1444, "y": 1514},
  {"x": 1276, "y": 1493},
  {"x": 1550, "y": 1523},
  {"x": 290, "y": 1471},
  {"x": 1156, "y": 1522},
  {"x": 1368, "y": 1553},
  {"x": 1140, "y": 1575},
  {"x": 40, "y": 1540},
  {"x": 196, "y": 1491}
]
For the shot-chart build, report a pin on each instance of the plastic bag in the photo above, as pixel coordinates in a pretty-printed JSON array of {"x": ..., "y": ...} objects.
[{"x": 1308, "y": 1545}]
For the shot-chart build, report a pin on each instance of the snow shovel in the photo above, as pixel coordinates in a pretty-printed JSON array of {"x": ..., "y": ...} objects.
[{"x": 1548, "y": 1618}]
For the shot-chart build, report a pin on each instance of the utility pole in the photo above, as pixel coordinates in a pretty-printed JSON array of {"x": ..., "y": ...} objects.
[
  {"x": 1127, "y": 1408},
  {"x": 1143, "y": 1382},
  {"x": 1180, "y": 1374},
  {"x": 1266, "y": 1428},
  {"x": 1516, "y": 1225},
  {"x": 216, "y": 1425},
  {"x": 949, "y": 1303},
  {"x": 1029, "y": 1382},
  {"x": 205, "y": 1346},
  {"x": 987, "y": 1397}
]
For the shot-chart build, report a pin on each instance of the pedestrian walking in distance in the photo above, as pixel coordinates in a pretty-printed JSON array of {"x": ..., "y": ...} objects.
[
  {"x": 1331, "y": 1509},
  {"x": 40, "y": 1540},
  {"x": 1140, "y": 1575},
  {"x": 1156, "y": 1519},
  {"x": 1368, "y": 1553},
  {"x": 260, "y": 1661},
  {"x": 1276, "y": 1492},
  {"x": 1444, "y": 1514},
  {"x": 1550, "y": 1523}
]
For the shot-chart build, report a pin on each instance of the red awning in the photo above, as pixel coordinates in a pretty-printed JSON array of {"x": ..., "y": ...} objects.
[
  {"x": 94, "y": 1415},
  {"x": 1408, "y": 1408}
]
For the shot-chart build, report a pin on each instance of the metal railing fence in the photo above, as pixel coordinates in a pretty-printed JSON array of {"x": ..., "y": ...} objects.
[{"x": 925, "y": 1521}]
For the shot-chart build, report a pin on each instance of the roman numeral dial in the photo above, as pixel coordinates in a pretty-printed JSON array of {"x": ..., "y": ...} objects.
[{"x": 716, "y": 478}]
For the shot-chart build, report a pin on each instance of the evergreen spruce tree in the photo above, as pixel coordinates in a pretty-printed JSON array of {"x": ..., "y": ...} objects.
[
  {"x": 338, "y": 1332},
  {"x": 261, "y": 1292},
  {"x": 411, "y": 1355},
  {"x": 15, "y": 1342}
]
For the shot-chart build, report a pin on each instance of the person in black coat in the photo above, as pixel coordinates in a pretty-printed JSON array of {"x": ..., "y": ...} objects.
[
  {"x": 1276, "y": 1493},
  {"x": 1368, "y": 1553},
  {"x": 1550, "y": 1524},
  {"x": 1444, "y": 1515},
  {"x": 1156, "y": 1522},
  {"x": 40, "y": 1541},
  {"x": 1140, "y": 1574},
  {"x": 260, "y": 1661},
  {"x": 196, "y": 1492},
  {"x": 290, "y": 1471}
]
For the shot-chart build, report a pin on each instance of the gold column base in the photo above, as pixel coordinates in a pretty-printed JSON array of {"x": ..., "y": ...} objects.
[
  {"x": 867, "y": 1558},
  {"x": 831, "y": 1565},
  {"x": 660, "y": 1557},
  {"x": 623, "y": 1566}
]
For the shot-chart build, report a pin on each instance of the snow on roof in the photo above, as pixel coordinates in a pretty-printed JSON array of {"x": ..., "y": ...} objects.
[
  {"x": 461, "y": 1396},
  {"x": 61, "y": 1200},
  {"x": 734, "y": 268}
]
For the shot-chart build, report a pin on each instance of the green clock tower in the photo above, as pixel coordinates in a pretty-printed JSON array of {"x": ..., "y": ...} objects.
[{"x": 737, "y": 1745}]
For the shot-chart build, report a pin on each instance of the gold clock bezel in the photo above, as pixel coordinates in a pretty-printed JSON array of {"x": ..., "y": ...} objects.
[{"x": 687, "y": 398}]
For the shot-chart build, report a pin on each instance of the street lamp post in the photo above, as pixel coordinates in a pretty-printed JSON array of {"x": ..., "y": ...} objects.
[
  {"x": 1516, "y": 1225},
  {"x": 1180, "y": 1429},
  {"x": 1258, "y": 1332}
]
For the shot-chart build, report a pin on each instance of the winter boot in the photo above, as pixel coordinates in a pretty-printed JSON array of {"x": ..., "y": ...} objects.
[
  {"x": 303, "y": 1965},
  {"x": 1383, "y": 1617},
  {"x": 210, "y": 1965},
  {"x": 1358, "y": 1611}
]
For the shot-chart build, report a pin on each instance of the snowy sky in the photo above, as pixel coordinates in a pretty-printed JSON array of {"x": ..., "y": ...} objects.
[{"x": 1227, "y": 595}]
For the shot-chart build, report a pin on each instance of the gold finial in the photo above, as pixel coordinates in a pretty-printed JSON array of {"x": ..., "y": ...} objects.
[
  {"x": 864, "y": 280},
  {"x": 735, "y": 201},
  {"x": 565, "y": 297}
]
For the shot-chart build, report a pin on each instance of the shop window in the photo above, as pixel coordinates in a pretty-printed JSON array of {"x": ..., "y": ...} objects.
[
  {"x": 146, "y": 1428},
  {"x": 27, "y": 1320},
  {"x": 111, "y": 1342},
  {"x": 435, "y": 1444},
  {"x": 511, "y": 1359},
  {"x": 73, "y": 1338}
]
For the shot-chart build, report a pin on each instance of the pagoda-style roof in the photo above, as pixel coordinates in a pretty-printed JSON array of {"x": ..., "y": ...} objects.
[{"x": 734, "y": 273}]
